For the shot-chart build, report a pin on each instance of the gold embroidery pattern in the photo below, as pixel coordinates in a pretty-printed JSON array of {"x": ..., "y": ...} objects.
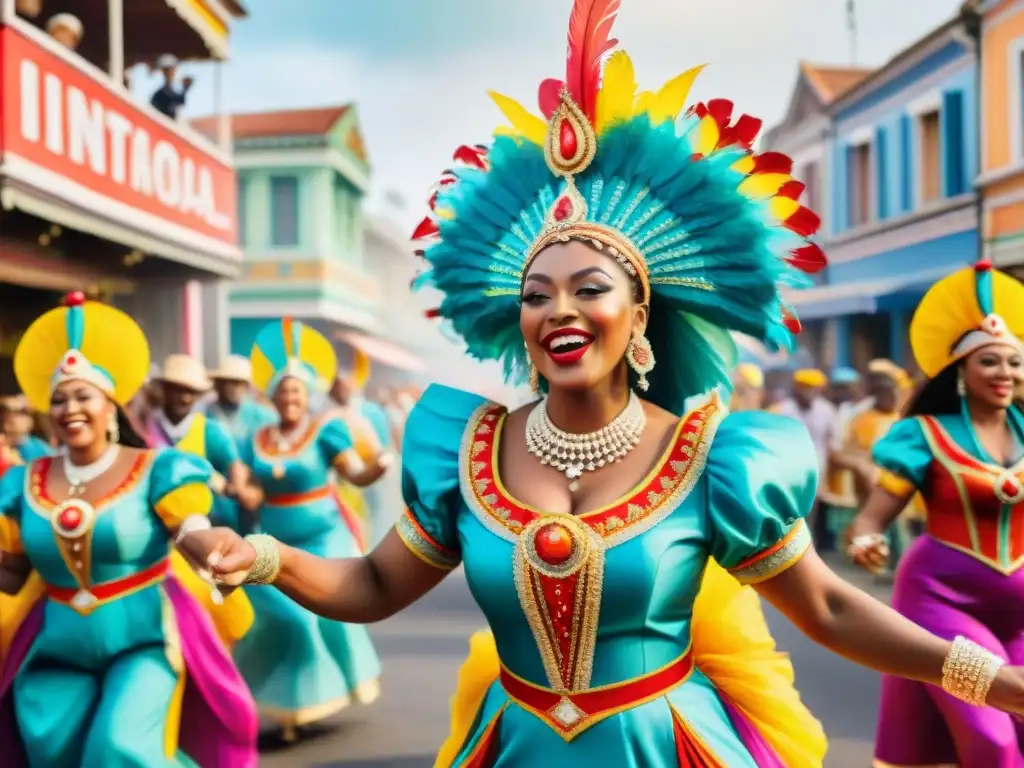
[
  {"x": 424, "y": 547},
  {"x": 562, "y": 603},
  {"x": 776, "y": 559}
]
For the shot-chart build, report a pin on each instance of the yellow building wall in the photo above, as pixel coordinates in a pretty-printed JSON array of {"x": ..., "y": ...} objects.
[{"x": 1003, "y": 27}]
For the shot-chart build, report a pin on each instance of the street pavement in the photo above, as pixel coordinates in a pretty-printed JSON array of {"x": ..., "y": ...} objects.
[{"x": 423, "y": 648}]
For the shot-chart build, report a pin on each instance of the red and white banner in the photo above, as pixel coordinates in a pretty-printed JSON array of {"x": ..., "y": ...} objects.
[{"x": 68, "y": 133}]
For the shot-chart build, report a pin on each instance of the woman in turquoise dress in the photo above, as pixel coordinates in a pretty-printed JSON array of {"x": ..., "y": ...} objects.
[
  {"x": 302, "y": 668},
  {"x": 962, "y": 448},
  {"x": 610, "y": 530},
  {"x": 113, "y": 663}
]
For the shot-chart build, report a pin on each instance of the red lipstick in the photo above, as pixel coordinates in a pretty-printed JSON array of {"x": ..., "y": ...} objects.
[{"x": 567, "y": 346}]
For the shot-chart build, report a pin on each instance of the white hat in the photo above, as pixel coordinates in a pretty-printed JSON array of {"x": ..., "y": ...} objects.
[
  {"x": 185, "y": 371},
  {"x": 67, "y": 21},
  {"x": 167, "y": 61},
  {"x": 234, "y": 368}
]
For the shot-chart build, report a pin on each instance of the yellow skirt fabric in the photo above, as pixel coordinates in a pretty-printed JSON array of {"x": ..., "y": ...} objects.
[
  {"x": 232, "y": 618},
  {"x": 14, "y": 609},
  {"x": 732, "y": 647}
]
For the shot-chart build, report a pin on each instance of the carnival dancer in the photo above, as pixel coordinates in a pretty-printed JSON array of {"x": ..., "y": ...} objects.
[
  {"x": 18, "y": 425},
  {"x": 117, "y": 665},
  {"x": 235, "y": 408},
  {"x": 613, "y": 244},
  {"x": 962, "y": 447},
  {"x": 302, "y": 668}
]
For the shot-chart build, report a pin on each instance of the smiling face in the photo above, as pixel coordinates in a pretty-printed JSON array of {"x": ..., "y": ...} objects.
[
  {"x": 579, "y": 311},
  {"x": 178, "y": 401},
  {"x": 993, "y": 373},
  {"x": 291, "y": 398},
  {"x": 80, "y": 414}
]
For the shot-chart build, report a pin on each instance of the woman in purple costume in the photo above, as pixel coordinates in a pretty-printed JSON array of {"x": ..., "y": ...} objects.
[
  {"x": 113, "y": 662},
  {"x": 962, "y": 447}
]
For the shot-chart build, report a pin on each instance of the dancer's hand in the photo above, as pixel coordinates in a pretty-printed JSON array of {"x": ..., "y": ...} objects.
[
  {"x": 221, "y": 552},
  {"x": 866, "y": 546},
  {"x": 1007, "y": 691}
]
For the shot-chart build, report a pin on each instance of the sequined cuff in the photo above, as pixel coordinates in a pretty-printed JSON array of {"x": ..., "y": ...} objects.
[
  {"x": 896, "y": 485},
  {"x": 423, "y": 546},
  {"x": 776, "y": 559}
]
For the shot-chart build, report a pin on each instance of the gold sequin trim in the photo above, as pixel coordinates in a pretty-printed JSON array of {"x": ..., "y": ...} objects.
[
  {"x": 776, "y": 559},
  {"x": 423, "y": 546}
]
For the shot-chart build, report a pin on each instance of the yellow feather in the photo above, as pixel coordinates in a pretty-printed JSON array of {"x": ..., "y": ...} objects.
[
  {"x": 445, "y": 213},
  {"x": 763, "y": 185},
  {"x": 618, "y": 91},
  {"x": 528, "y": 126},
  {"x": 707, "y": 136},
  {"x": 644, "y": 103},
  {"x": 782, "y": 207},
  {"x": 744, "y": 165},
  {"x": 671, "y": 99}
]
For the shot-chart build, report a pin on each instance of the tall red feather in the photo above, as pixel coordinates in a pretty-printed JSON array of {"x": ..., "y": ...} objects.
[{"x": 590, "y": 28}]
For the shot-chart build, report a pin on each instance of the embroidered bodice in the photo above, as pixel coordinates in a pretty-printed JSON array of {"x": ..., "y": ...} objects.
[
  {"x": 590, "y": 600},
  {"x": 973, "y": 504}
]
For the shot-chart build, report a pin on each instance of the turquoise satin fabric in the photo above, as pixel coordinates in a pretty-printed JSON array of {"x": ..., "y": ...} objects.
[
  {"x": 32, "y": 448},
  {"x": 96, "y": 689},
  {"x": 759, "y": 480},
  {"x": 243, "y": 422},
  {"x": 299, "y": 666}
]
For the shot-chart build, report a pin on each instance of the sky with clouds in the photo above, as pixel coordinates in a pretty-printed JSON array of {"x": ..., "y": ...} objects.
[{"x": 419, "y": 71}]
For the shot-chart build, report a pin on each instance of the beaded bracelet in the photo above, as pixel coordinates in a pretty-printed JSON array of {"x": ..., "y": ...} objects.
[{"x": 969, "y": 670}]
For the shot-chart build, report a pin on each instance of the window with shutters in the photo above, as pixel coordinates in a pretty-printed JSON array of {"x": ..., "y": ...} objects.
[
  {"x": 859, "y": 175},
  {"x": 930, "y": 157},
  {"x": 284, "y": 211},
  {"x": 810, "y": 175}
]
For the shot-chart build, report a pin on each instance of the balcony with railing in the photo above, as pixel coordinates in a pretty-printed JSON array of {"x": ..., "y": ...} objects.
[{"x": 78, "y": 150}]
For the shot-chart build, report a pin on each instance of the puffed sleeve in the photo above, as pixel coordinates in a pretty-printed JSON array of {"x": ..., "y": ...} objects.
[
  {"x": 763, "y": 476},
  {"x": 179, "y": 486},
  {"x": 12, "y": 489},
  {"x": 903, "y": 455},
  {"x": 430, "y": 474},
  {"x": 335, "y": 442}
]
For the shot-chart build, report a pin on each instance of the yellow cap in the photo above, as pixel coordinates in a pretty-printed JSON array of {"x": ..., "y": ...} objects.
[
  {"x": 750, "y": 374},
  {"x": 810, "y": 377}
]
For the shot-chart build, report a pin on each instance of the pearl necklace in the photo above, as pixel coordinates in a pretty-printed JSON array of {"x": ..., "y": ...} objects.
[
  {"x": 78, "y": 476},
  {"x": 286, "y": 441},
  {"x": 575, "y": 454}
]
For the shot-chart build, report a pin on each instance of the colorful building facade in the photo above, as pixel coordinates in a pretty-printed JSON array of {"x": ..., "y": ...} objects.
[
  {"x": 1002, "y": 132},
  {"x": 901, "y": 208}
]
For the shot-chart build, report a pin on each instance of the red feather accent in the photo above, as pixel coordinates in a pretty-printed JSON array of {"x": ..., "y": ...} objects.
[
  {"x": 590, "y": 28},
  {"x": 746, "y": 130},
  {"x": 791, "y": 321},
  {"x": 426, "y": 228},
  {"x": 474, "y": 156},
  {"x": 772, "y": 162},
  {"x": 698, "y": 109},
  {"x": 791, "y": 189},
  {"x": 804, "y": 222},
  {"x": 721, "y": 111},
  {"x": 809, "y": 258},
  {"x": 433, "y": 313},
  {"x": 549, "y": 97}
]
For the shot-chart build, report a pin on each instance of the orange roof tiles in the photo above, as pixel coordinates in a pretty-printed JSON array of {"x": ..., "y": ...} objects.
[
  {"x": 831, "y": 82},
  {"x": 296, "y": 122}
]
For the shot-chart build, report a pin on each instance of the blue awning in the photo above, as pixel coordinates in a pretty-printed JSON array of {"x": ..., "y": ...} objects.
[{"x": 867, "y": 297}]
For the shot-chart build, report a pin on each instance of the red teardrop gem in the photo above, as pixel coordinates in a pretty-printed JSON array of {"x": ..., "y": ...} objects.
[
  {"x": 1010, "y": 488},
  {"x": 563, "y": 209},
  {"x": 74, "y": 299},
  {"x": 567, "y": 143},
  {"x": 72, "y": 360},
  {"x": 983, "y": 266},
  {"x": 553, "y": 543},
  {"x": 70, "y": 518}
]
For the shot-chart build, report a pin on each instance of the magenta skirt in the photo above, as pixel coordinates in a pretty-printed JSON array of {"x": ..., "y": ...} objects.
[{"x": 950, "y": 593}]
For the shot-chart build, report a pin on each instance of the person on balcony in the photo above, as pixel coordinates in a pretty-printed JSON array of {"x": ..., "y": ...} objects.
[
  {"x": 29, "y": 9},
  {"x": 169, "y": 99},
  {"x": 66, "y": 30}
]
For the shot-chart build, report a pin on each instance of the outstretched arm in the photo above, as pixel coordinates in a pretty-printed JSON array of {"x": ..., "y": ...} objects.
[{"x": 851, "y": 623}]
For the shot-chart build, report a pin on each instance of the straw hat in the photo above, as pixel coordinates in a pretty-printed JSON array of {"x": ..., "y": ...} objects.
[
  {"x": 233, "y": 368},
  {"x": 71, "y": 23},
  {"x": 187, "y": 372}
]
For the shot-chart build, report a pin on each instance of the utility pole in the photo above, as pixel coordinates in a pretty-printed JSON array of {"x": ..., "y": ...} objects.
[{"x": 851, "y": 26}]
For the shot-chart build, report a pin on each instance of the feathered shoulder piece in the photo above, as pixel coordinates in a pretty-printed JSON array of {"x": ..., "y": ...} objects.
[{"x": 709, "y": 228}]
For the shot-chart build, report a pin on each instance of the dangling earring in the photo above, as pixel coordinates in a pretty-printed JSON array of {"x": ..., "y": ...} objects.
[
  {"x": 640, "y": 358},
  {"x": 113, "y": 431},
  {"x": 961, "y": 385},
  {"x": 534, "y": 375}
]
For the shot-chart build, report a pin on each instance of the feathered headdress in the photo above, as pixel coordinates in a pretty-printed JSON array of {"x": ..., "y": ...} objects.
[
  {"x": 968, "y": 310},
  {"x": 708, "y": 228},
  {"x": 82, "y": 341},
  {"x": 290, "y": 349}
]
